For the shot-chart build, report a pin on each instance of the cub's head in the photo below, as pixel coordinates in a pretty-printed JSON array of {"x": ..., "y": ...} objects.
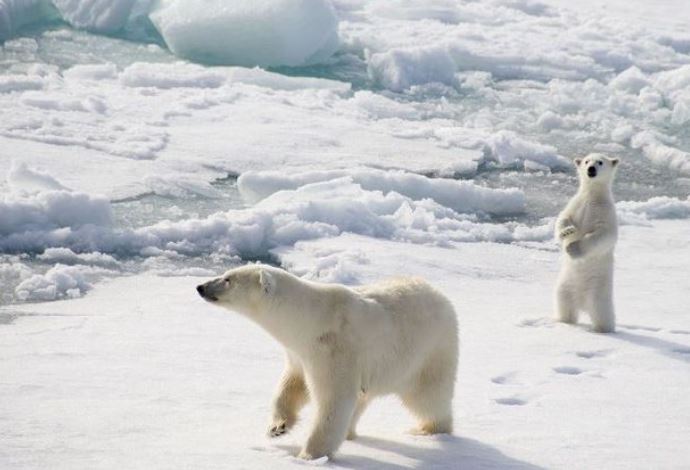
[
  {"x": 243, "y": 289},
  {"x": 596, "y": 168}
]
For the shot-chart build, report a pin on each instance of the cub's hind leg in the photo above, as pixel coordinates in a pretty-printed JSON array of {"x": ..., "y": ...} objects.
[{"x": 565, "y": 301}]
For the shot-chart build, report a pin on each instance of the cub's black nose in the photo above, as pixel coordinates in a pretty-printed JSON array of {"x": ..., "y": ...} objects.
[
  {"x": 591, "y": 172},
  {"x": 200, "y": 289}
]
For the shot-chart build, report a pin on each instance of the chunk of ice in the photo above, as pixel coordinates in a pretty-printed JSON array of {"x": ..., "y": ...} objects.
[{"x": 258, "y": 32}]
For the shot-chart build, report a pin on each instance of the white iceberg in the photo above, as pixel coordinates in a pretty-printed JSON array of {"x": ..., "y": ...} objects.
[
  {"x": 17, "y": 13},
  {"x": 260, "y": 32},
  {"x": 103, "y": 16}
]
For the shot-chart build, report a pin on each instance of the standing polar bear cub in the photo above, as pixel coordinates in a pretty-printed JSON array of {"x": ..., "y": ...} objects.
[
  {"x": 587, "y": 230},
  {"x": 344, "y": 346}
]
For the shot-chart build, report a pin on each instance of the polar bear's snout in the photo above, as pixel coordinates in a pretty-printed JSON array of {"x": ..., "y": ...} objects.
[
  {"x": 592, "y": 171},
  {"x": 206, "y": 292}
]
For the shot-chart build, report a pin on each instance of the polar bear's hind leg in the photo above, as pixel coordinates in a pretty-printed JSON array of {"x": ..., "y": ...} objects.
[
  {"x": 430, "y": 396},
  {"x": 566, "y": 309},
  {"x": 601, "y": 309}
]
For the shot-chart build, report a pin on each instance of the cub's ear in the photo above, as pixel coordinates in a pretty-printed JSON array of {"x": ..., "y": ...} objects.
[
  {"x": 267, "y": 282},
  {"x": 577, "y": 161},
  {"x": 614, "y": 161}
]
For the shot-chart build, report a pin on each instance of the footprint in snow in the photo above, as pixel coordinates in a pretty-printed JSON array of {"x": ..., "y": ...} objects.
[
  {"x": 593, "y": 354},
  {"x": 511, "y": 401},
  {"x": 653, "y": 329},
  {"x": 568, "y": 370},
  {"x": 504, "y": 379},
  {"x": 536, "y": 322}
]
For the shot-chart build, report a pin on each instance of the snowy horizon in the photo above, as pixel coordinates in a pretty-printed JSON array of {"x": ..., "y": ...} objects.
[{"x": 159, "y": 144}]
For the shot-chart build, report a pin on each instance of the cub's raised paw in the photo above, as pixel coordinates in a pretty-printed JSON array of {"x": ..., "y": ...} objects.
[
  {"x": 277, "y": 429},
  {"x": 567, "y": 231}
]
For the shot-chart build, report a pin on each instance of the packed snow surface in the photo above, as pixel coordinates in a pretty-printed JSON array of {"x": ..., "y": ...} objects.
[{"x": 142, "y": 372}]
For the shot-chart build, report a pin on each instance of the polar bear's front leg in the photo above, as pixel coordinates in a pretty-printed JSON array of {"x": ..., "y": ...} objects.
[
  {"x": 566, "y": 231},
  {"x": 290, "y": 397},
  {"x": 335, "y": 396}
]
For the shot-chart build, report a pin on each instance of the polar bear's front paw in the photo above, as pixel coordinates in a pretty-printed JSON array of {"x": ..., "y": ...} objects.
[
  {"x": 574, "y": 249},
  {"x": 278, "y": 428},
  {"x": 567, "y": 232},
  {"x": 420, "y": 431},
  {"x": 429, "y": 428},
  {"x": 304, "y": 455}
]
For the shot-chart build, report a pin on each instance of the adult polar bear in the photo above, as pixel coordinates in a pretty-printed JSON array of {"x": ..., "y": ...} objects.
[
  {"x": 345, "y": 346},
  {"x": 587, "y": 230}
]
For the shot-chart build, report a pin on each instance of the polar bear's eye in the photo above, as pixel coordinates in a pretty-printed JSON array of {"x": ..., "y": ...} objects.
[{"x": 600, "y": 163}]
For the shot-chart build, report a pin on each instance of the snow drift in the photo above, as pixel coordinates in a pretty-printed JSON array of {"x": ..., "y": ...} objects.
[
  {"x": 51, "y": 210},
  {"x": 62, "y": 225},
  {"x": 660, "y": 153},
  {"x": 59, "y": 282},
  {"x": 661, "y": 207},
  {"x": 461, "y": 196},
  {"x": 389, "y": 205}
]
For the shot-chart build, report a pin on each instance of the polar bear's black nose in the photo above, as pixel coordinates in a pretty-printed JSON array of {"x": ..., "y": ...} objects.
[
  {"x": 200, "y": 289},
  {"x": 591, "y": 172}
]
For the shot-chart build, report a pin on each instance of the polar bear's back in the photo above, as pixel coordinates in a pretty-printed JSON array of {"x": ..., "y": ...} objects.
[
  {"x": 408, "y": 325},
  {"x": 410, "y": 294},
  {"x": 409, "y": 307}
]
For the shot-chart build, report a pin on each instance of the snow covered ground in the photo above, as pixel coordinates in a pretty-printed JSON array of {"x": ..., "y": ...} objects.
[
  {"x": 157, "y": 378},
  {"x": 429, "y": 137}
]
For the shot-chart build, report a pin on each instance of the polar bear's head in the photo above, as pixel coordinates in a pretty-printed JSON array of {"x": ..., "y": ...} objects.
[
  {"x": 244, "y": 289},
  {"x": 596, "y": 168}
]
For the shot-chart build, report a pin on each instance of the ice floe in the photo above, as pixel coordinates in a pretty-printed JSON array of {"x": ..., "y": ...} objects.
[{"x": 256, "y": 32}]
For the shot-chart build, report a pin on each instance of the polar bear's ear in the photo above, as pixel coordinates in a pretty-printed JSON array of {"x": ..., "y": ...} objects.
[
  {"x": 577, "y": 161},
  {"x": 267, "y": 281},
  {"x": 614, "y": 161}
]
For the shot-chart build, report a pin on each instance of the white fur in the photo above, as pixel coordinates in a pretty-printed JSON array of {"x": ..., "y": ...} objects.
[
  {"x": 587, "y": 230},
  {"x": 345, "y": 346}
]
